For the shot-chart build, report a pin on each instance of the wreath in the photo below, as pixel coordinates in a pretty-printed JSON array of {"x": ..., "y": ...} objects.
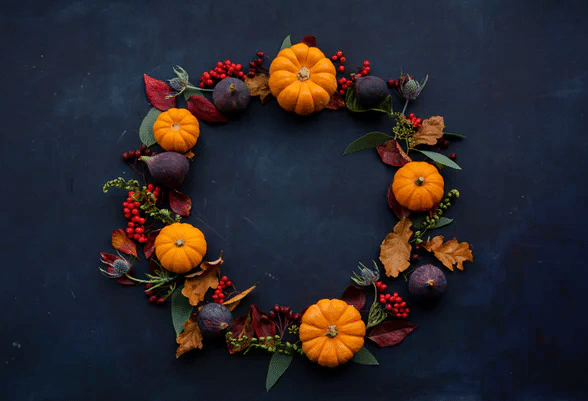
[{"x": 332, "y": 331}]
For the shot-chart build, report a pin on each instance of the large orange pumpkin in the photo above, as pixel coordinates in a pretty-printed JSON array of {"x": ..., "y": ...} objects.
[
  {"x": 418, "y": 186},
  {"x": 180, "y": 247},
  {"x": 302, "y": 79},
  {"x": 331, "y": 332},
  {"x": 176, "y": 130}
]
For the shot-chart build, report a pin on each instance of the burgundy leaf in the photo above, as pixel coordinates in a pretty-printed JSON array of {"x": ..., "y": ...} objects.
[
  {"x": 123, "y": 280},
  {"x": 108, "y": 257},
  {"x": 355, "y": 296},
  {"x": 399, "y": 210},
  {"x": 121, "y": 242},
  {"x": 337, "y": 102},
  {"x": 150, "y": 244},
  {"x": 262, "y": 324},
  {"x": 242, "y": 326},
  {"x": 157, "y": 93},
  {"x": 204, "y": 110},
  {"x": 309, "y": 41},
  {"x": 391, "y": 153},
  {"x": 179, "y": 203},
  {"x": 391, "y": 332},
  {"x": 153, "y": 266}
]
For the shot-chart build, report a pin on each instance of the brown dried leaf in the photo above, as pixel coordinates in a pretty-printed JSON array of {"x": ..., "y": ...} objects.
[
  {"x": 232, "y": 302},
  {"x": 122, "y": 243},
  {"x": 195, "y": 287},
  {"x": 206, "y": 265},
  {"x": 430, "y": 130},
  {"x": 258, "y": 87},
  {"x": 191, "y": 338},
  {"x": 395, "y": 249},
  {"x": 450, "y": 253}
]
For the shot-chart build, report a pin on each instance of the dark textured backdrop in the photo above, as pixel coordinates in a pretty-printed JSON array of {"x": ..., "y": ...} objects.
[{"x": 290, "y": 212}]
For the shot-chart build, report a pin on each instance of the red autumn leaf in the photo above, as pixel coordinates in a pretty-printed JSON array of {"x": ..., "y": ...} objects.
[
  {"x": 263, "y": 326},
  {"x": 399, "y": 210},
  {"x": 242, "y": 326},
  {"x": 204, "y": 110},
  {"x": 157, "y": 93},
  {"x": 391, "y": 332},
  {"x": 122, "y": 243},
  {"x": 179, "y": 203},
  {"x": 355, "y": 296},
  {"x": 150, "y": 244},
  {"x": 110, "y": 258},
  {"x": 337, "y": 102},
  {"x": 309, "y": 41},
  {"x": 391, "y": 153}
]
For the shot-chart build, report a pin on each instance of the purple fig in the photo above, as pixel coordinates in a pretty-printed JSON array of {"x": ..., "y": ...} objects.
[
  {"x": 168, "y": 169},
  {"x": 427, "y": 283},
  {"x": 370, "y": 91},
  {"x": 231, "y": 95}
]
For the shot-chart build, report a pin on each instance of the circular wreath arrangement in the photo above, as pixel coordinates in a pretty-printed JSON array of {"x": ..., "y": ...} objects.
[{"x": 332, "y": 331}]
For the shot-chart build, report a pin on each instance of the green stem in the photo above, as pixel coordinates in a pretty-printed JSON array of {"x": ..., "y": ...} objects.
[
  {"x": 405, "y": 106},
  {"x": 200, "y": 89}
]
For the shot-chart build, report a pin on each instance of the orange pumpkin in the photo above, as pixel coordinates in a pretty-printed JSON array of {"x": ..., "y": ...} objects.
[
  {"x": 331, "y": 332},
  {"x": 176, "y": 130},
  {"x": 180, "y": 247},
  {"x": 302, "y": 79},
  {"x": 418, "y": 186}
]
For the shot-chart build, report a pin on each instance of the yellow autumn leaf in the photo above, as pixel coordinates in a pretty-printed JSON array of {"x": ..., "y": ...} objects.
[
  {"x": 430, "y": 130},
  {"x": 232, "y": 302},
  {"x": 197, "y": 284},
  {"x": 395, "y": 249},
  {"x": 450, "y": 253},
  {"x": 191, "y": 338},
  {"x": 258, "y": 87},
  {"x": 206, "y": 265}
]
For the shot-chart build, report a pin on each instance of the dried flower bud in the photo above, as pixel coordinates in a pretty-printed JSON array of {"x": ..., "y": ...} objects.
[
  {"x": 121, "y": 266},
  {"x": 177, "y": 84},
  {"x": 366, "y": 276},
  {"x": 411, "y": 89}
]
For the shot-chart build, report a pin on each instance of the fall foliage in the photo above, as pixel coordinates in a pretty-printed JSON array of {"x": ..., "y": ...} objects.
[
  {"x": 258, "y": 87},
  {"x": 430, "y": 130},
  {"x": 450, "y": 253},
  {"x": 191, "y": 338},
  {"x": 395, "y": 249}
]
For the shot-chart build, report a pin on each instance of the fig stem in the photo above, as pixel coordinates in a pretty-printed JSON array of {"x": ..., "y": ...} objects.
[{"x": 431, "y": 283}]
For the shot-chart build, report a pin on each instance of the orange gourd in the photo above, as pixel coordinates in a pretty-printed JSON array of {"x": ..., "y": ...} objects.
[
  {"x": 180, "y": 247},
  {"x": 176, "y": 130},
  {"x": 331, "y": 332},
  {"x": 418, "y": 186},
  {"x": 302, "y": 79}
]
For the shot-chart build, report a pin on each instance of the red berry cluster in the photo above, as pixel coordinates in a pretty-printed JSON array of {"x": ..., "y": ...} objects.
[
  {"x": 154, "y": 299},
  {"x": 219, "y": 294},
  {"x": 256, "y": 65},
  {"x": 222, "y": 70},
  {"x": 343, "y": 82},
  {"x": 417, "y": 122},
  {"x": 392, "y": 303},
  {"x": 131, "y": 208},
  {"x": 280, "y": 312},
  {"x": 133, "y": 155}
]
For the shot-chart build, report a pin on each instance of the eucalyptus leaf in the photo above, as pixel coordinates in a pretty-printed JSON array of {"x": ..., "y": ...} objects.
[
  {"x": 454, "y": 135},
  {"x": 439, "y": 158},
  {"x": 277, "y": 367},
  {"x": 364, "y": 357},
  {"x": 286, "y": 43},
  {"x": 351, "y": 103},
  {"x": 191, "y": 92},
  {"x": 146, "y": 128},
  {"x": 369, "y": 140},
  {"x": 181, "y": 310},
  {"x": 443, "y": 221}
]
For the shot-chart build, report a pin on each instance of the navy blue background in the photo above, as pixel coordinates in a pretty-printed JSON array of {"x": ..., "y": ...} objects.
[{"x": 274, "y": 192}]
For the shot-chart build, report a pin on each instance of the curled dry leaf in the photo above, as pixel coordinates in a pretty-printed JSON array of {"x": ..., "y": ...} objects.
[
  {"x": 232, "y": 302},
  {"x": 395, "y": 249},
  {"x": 450, "y": 253},
  {"x": 197, "y": 284},
  {"x": 391, "y": 153},
  {"x": 258, "y": 87},
  {"x": 399, "y": 210},
  {"x": 122, "y": 243},
  {"x": 179, "y": 203},
  {"x": 391, "y": 332},
  {"x": 191, "y": 338},
  {"x": 206, "y": 265},
  {"x": 430, "y": 130},
  {"x": 159, "y": 93}
]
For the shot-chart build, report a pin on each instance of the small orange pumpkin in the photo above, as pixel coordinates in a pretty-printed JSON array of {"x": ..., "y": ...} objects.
[
  {"x": 176, "y": 130},
  {"x": 418, "y": 186},
  {"x": 331, "y": 332},
  {"x": 302, "y": 79},
  {"x": 180, "y": 247}
]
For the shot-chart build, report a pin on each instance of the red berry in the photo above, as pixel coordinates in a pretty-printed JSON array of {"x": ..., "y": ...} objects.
[
  {"x": 339, "y": 53},
  {"x": 382, "y": 299},
  {"x": 388, "y": 307},
  {"x": 405, "y": 315},
  {"x": 366, "y": 63},
  {"x": 224, "y": 278},
  {"x": 411, "y": 115},
  {"x": 272, "y": 315},
  {"x": 399, "y": 315},
  {"x": 406, "y": 310},
  {"x": 228, "y": 283},
  {"x": 390, "y": 82},
  {"x": 342, "y": 59},
  {"x": 341, "y": 68},
  {"x": 126, "y": 210},
  {"x": 130, "y": 230},
  {"x": 414, "y": 257},
  {"x": 453, "y": 156},
  {"x": 342, "y": 92},
  {"x": 334, "y": 57},
  {"x": 277, "y": 308},
  {"x": 215, "y": 296},
  {"x": 388, "y": 297},
  {"x": 135, "y": 211},
  {"x": 153, "y": 298},
  {"x": 383, "y": 287}
]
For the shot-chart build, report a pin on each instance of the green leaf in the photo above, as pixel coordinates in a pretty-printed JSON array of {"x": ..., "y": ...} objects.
[
  {"x": 277, "y": 367},
  {"x": 146, "y": 128},
  {"x": 351, "y": 103},
  {"x": 454, "y": 135},
  {"x": 191, "y": 92},
  {"x": 286, "y": 43},
  {"x": 181, "y": 310},
  {"x": 364, "y": 357},
  {"x": 439, "y": 158},
  {"x": 370, "y": 140},
  {"x": 443, "y": 221}
]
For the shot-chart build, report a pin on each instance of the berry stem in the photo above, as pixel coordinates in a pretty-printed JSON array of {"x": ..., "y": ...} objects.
[{"x": 405, "y": 106}]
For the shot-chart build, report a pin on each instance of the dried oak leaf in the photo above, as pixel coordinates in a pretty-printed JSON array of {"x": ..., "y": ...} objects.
[
  {"x": 430, "y": 130},
  {"x": 450, "y": 253},
  {"x": 337, "y": 102},
  {"x": 258, "y": 87},
  {"x": 391, "y": 153},
  {"x": 232, "y": 302},
  {"x": 122, "y": 243},
  {"x": 159, "y": 93},
  {"x": 197, "y": 284},
  {"x": 395, "y": 249},
  {"x": 180, "y": 203},
  {"x": 399, "y": 210},
  {"x": 191, "y": 338}
]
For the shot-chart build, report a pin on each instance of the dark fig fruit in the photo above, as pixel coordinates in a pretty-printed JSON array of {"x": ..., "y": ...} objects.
[
  {"x": 214, "y": 320},
  {"x": 231, "y": 95},
  {"x": 427, "y": 283},
  {"x": 370, "y": 91},
  {"x": 168, "y": 169}
]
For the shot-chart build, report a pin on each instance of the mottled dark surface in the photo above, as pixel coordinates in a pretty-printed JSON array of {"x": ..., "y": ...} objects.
[{"x": 290, "y": 212}]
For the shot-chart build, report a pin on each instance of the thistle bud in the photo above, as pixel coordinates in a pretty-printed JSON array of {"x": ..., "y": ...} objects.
[
  {"x": 177, "y": 84},
  {"x": 410, "y": 89}
]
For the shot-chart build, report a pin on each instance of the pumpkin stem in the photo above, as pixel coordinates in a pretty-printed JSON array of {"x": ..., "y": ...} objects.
[
  {"x": 303, "y": 74},
  {"x": 431, "y": 283},
  {"x": 179, "y": 242},
  {"x": 175, "y": 126},
  {"x": 419, "y": 181},
  {"x": 331, "y": 331}
]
